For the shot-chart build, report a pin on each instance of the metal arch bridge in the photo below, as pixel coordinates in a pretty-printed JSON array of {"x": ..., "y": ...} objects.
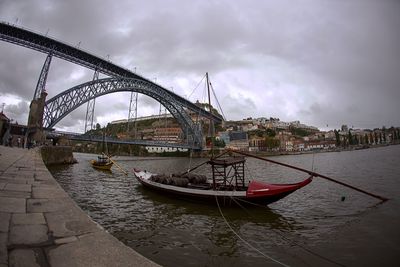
[
  {"x": 62, "y": 104},
  {"x": 124, "y": 79}
]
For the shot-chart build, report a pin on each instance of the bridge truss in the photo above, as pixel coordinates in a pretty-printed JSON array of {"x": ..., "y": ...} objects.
[
  {"x": 62, "y": 104},
  {"x": 123, "y": 80}
]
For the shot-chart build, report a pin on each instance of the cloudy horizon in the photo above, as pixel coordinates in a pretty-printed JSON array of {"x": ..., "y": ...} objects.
[{"x": 325, "y": 63}]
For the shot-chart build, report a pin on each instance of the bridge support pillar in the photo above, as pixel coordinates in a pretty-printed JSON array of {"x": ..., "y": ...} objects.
[
  {"x": 35, "y": 120},
  {"x": 41, "y": 84}
]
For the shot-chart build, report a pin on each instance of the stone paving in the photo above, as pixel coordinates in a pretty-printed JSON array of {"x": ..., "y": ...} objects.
[{"x": 40, "y": 225}]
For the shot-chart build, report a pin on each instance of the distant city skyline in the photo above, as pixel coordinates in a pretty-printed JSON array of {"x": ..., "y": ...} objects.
[{"x": 325, "y": 63}]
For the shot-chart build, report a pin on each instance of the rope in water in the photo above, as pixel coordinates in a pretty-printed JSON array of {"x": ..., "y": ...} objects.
[
  {"x": 287, "y": 239},
  {"x": 247, "y": 243}
]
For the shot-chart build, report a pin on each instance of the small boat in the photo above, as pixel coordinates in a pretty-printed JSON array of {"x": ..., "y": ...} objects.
[
  {"x": 227, "y": 185},
  {"x": 102, "y": 163}
]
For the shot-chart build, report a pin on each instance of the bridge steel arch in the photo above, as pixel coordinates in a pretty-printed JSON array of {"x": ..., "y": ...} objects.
[
  {"x": 133, "y": 82},
  {"x": 45, "y": 44},
  {"x": 64, "y": 103}
]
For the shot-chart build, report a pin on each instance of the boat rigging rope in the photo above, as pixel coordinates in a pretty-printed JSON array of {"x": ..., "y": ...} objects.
[
  {"x": 284, "y": 237},
  {"x": 190, "y": 160},
  {"x": 312, "y": 165},
  {"x": 247, "y": 243},
  {"x": 196, "y": 87},
  {"x": 215, "y": 96}
]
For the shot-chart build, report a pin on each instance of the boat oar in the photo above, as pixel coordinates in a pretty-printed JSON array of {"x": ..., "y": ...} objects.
[
  {"x": 383, "y": 199},
  {"x": 119, "y": 167}
]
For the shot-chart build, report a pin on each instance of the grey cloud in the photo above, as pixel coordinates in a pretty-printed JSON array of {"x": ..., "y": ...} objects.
[
  {"x": 18, "y": 112},
  {"x": 348, "y": 51},
  {"x": 235, "y": 107}
]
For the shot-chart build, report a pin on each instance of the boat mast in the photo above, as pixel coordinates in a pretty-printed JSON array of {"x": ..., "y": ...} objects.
[
  {"x": 208, "y": 91},
  {"x": 104, "y": 137},
  {"x": 211, "y": 127}
]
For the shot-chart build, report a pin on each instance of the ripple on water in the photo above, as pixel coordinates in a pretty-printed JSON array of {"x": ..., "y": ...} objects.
[{"x": 171, "y": 231}]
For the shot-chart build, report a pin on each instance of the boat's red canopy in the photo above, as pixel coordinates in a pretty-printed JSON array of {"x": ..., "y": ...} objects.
[{"x": 258, "y": 189}]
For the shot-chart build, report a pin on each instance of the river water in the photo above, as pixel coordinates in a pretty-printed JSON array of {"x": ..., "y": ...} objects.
[{"x": 179, "y": 233}]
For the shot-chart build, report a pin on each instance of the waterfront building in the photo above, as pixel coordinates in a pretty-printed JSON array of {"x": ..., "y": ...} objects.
[
  {"x": 289, "y": 145},
  {"x": 256, "y": 144},
  {"x": 159, "y": 149},
  {"x": 238, "y": 141},
  {"x": 169, "y": 135},
  {"x": 299, "y": 145}
]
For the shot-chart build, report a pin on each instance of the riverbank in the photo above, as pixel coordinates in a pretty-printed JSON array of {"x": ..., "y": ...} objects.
[
  {"x": 207, "y": 153},
  {"x": 40, "y": 225}
]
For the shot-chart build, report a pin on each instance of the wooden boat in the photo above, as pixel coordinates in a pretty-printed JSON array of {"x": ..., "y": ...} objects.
[
  {"x": 102, "y": 163},
  {"x": 227, "y": 185}
]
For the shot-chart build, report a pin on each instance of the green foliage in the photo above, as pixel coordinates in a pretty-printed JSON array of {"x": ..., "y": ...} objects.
[
  {"x": 174, "y": 154},
  {"x": 350, "y": 138},
  {"x": 337, "y": 136},
  {"x": 270, "y": 132},
  {"x": 262, "y": 133},
  {"x": 206, "y": 107},
  {"x": 215, "y": 142},
  {"x": 271, "y": 142},
  {"x": 356, "y": 140},
  {"x": 299, "y": 131},
  {"x": 366, "y": 139},
  {"x": 258, "y": 132}
]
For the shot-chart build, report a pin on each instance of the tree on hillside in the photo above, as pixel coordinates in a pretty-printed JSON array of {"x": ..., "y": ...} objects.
[
  {"x": 270, "y": 132},
  {"x": 350, "y": 136},
  {"x": 337, "y": 136},
  {"x": 258, "y": 133},
  {"x": 299, "y": 131},
  {"x": 366, "y": 139},
  {"x": 356, "y": 140},
  {"x": 271, "y": 142}
]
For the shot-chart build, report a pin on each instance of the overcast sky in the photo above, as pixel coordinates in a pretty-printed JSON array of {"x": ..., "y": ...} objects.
[{"x": 325, "y": 63}]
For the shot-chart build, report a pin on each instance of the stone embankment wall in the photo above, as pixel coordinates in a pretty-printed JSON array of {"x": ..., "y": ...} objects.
[
  {"x": 57, "y": 155},
  {"x": 40, "y": 225}
]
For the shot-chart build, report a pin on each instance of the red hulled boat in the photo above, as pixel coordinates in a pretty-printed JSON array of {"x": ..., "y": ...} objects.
[{"x": 227, "y": 185}]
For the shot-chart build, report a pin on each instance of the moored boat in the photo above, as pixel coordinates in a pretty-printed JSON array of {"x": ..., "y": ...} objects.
[
  {"x": 227, "y": 185},
  {"x": 102, "y": 163}
]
